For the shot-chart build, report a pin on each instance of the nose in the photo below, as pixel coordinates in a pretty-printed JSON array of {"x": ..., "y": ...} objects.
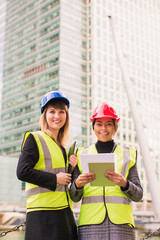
[
  {"x": 56, "y": 115},
  {"x": 103, "y": 126}
]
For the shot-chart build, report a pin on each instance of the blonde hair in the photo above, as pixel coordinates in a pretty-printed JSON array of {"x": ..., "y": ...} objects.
[{"x": 63, "y": 135}]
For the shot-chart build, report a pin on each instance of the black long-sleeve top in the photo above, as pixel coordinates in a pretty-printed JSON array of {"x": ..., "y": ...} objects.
[
  {"x": 44, "y": 224},
  {"x": 28, "y": 159}
]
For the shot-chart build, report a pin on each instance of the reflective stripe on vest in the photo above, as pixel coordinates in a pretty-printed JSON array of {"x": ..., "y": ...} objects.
[
  {"x": 108, "y": 199},
  {"x": 125, "y": 161},
  {"x": 39, "y": 198},
  {"x": 48, "y": 163},
  {"x": 37, "y": 190},
  {"x": 93, "y": 210}
]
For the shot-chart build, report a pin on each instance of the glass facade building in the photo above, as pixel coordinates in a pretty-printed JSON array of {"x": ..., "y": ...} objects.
[
  {"x": 68, "y": 45},
  {"x": 44, "y": 50},
  {"x": 2, "y": 39}
]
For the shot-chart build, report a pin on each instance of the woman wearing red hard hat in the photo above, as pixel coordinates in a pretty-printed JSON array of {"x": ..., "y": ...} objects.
[
  {"x": 106, "y": 212},
  {"x": 43, "y": 165}
]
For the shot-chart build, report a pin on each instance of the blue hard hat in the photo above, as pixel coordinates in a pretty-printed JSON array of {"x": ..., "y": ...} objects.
[{"x": 51, "y": 96}]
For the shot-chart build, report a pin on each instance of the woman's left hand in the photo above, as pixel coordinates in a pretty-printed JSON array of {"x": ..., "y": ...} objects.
[
  {"x": 73, "y": 160},
  {"x": 117, "y": 178}
]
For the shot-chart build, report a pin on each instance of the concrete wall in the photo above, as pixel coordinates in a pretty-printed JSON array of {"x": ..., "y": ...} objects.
[{"x": 10, "y": 186}]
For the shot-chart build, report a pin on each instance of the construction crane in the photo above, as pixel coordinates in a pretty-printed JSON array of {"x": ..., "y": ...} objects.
[{"x": 151, "y": 176}]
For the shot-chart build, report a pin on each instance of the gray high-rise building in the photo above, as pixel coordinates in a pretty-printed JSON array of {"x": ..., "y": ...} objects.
[
  {"x": 68, "y": 45},
  {"x": 2, "y": 38},
  {"x": 45, "y": 49}
]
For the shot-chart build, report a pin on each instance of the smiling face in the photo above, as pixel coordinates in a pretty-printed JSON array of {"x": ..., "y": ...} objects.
[
  {"x": 104, "y": 129},
  {"x": 55, "y": 118}
]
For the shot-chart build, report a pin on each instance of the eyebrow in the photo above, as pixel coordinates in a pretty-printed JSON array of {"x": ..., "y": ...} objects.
[
  {"x": 51, "y": 108},
  {"x": 105, "y": 122}
]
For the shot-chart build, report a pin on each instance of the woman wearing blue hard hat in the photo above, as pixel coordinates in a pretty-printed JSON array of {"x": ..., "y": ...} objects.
[
  {"x": 106, "y": 211},
  {"x": 43, "y": 165}
]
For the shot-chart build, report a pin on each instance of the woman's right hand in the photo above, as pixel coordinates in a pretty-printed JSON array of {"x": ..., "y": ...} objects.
[
  {"x": 73, "y": 160},
  {"x": 63, "y": 178},
  {"x": 84, "y": 178}
]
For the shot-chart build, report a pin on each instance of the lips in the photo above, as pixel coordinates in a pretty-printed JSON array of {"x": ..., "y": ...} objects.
[
  {"x": 103, "y": 134},
  {"x": 56, "y": 121}
]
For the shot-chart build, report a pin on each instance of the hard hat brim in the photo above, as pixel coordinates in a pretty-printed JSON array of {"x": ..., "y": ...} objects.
[
  {"x": 52, "y": 96},
  {"x": 102, "y": 116}
]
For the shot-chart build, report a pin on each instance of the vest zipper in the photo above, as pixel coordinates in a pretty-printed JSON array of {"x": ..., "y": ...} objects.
[{"x": 104, "y": 200}]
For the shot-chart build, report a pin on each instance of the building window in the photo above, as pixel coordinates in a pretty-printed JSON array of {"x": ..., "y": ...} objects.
[
  {"x": 90, "y": 104},
  {"x": 90, "y": 92},
  {"x": 124, "y": 136},
  {"x": 23, "y": 186},
  {"x": 84, "y": 130}
]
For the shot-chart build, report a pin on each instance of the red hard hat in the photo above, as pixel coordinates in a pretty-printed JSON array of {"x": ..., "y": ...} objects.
[{"x": 103, "y": 110}]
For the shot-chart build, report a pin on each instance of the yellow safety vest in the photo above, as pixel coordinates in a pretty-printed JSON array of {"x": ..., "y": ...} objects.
[
  {"x": 50, "y": 160},
  {"x": 96, "y": 200}
]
